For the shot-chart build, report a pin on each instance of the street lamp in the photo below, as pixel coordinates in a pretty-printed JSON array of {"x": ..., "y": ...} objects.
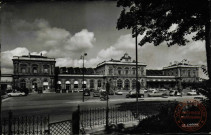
[{"x": 82, "y": 57}]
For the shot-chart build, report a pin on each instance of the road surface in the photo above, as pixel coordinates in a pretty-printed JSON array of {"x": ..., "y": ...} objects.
[{"x": 61, "y": 105}]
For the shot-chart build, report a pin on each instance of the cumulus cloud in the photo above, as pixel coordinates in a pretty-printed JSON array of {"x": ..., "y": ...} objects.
[
  {"x": 40, "y": 35},
  {"x": 80, "y": 41},
  {"x": 6, "y": 57}
]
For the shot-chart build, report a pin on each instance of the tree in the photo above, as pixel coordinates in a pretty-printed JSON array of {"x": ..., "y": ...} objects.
[{"x": 154, "y": 19}]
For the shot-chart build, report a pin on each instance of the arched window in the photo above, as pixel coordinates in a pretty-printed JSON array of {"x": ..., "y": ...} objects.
[
  {"x": 91, "y": 83},
  {"x": 142, "y": 82},
  {"x": 23, "y": 84},
  {"x": 23, "y": 68},
  {"x": 67, "y": 83},
  {"x": 34, "y": 84},
  {"x": 83, "y": 84},
  {"x": 126, "y": 70},
  {"x": 189, "y": 75},
  {"x": 119, "y": 84},
  {"x": 119, "y": 69},
  {"x": 59, "y": 85},
  {"x": 110, "y": 71},
  {"x": 45, "y": 69},
  {"x": 127, "y": 84},
  {"x": 133, "y": 84},
  {"x": 194, "y": 73},
  {"x": 34, "y": 69},
  {"x": 45, "y": 84},
  {"x": 142, "y": 70},
  {"x": 99, "y": 83},
  {"x": 75, "y": 84},
  {"x": 134, "y": 71}
]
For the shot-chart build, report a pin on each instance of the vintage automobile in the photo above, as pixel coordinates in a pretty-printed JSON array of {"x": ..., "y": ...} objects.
[
  {"x": 162, "y": 89},
  {"x": 118, "y": 92},
  {"x": 157, "y": 94},
  {"x": 16, "y": 94},
  {"x": 175, "y": 93},
  {"x": 96, "y": 93},
  {"x": 145, "y": 90},
  {"x": 152, "y": 90},
  {"x": 192, "y": 93},
  {"x": 86, "y": 92},
  {"x": 132, "y": 94},
  {"x": 111, "y": 92}
]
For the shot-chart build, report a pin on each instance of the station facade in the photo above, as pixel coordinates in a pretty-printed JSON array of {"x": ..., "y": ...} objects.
[{"x": 39, "y": 72}]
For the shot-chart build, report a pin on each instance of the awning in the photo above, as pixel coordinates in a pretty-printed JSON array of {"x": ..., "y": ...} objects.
[
  {"x": 59, "y": 82},
  {"x": 67, "y": 82},
  {"x": 45, "y": 83},
  {"x": 84, "y": 82},
  {"x": 76, "y": 82}
]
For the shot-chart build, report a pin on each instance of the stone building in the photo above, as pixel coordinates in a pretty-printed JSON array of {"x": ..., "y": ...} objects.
[
  {"x": 120, "y": 73},
  {"x": 178, "y": 75},
  {"x": 39, "y": 72},
  {"x": 34, "y": 72},
  {"x": 71, "y": 79}
]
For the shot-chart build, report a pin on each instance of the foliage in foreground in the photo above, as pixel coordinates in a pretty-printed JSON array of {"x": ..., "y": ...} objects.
[{"x": 162, "y": 123}]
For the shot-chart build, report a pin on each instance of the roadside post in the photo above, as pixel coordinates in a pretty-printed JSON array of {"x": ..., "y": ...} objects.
[
  {"x": 76, "y": 121},
  {"x": 107, "y": 109}
]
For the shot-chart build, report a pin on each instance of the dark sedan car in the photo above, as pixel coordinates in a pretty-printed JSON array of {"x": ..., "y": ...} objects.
[
  {"x": 86, "y": 92},
  {"x": 96, "y": 93}
]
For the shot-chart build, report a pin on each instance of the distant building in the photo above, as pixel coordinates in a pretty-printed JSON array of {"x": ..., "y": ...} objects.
[
  {"x": 180, "y": 74},
  {"x": 34, "y": 72}
]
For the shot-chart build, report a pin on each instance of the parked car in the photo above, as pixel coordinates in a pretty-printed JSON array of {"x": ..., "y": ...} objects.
[
  {"x": 174, "y": 93},
  {"x": 86, "y": 92},
  {"x": 132, "y": 94},
  {"x": 192, "y": 93},
  {"x": 145, "y": 90},
  {"x": 76, "y": 90},
  {"x": 111, "y": 92},
  {"x": 80, "y": 90},
  {"x": 152, "y": 90},
  {"x": 96, "y": 93},
  {"x": 162, "y": 89},
  {"x": 157, "y": 94},
  {"x": 118, "y": 92},
  {"x": 92, "y": 90},
  {"x": 16, "y": 94}
]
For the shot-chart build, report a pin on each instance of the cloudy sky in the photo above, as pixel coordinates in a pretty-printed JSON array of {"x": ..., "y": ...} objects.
[{"x": 65, "y": 30}]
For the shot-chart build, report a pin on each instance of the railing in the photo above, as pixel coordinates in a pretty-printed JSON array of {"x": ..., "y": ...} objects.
[
  {"x": 116, "y": 114},
  {"x": 25, "y": 125},
  {"x": 61, "y": 128}
]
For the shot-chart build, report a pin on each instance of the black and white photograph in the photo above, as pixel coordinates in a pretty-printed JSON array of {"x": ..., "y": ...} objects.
[{"x": 105, "y": 67}]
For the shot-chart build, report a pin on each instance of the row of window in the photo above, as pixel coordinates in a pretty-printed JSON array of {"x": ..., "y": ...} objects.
[
  {"x": 76, "y": 85},
  {"x": 183, "y": 73},
  {"x": 35, "y": 69},
  {"x": 126, "y": 71}
]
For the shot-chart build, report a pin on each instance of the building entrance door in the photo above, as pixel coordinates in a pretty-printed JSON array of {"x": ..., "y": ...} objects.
[{"x": 45, "y": 86}]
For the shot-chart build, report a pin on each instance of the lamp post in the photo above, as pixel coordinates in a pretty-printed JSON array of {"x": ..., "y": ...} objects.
[{"x": 82, "y": 57}]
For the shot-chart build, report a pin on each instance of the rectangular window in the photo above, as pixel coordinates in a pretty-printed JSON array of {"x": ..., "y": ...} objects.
[
  {"x": 23, "y": 70},
  {"x": 35, "y": 70},
  {"x": 99, "y": 83},
  {"x": 45, "y": 70},
  {"x": 75, "y": 85}
]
